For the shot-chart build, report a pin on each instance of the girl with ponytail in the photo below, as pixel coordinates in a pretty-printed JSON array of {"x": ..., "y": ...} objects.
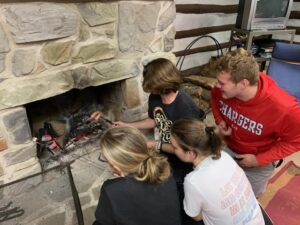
[
  {"x": 144, "y": 191},
  {"x": 217, "y": 190}
]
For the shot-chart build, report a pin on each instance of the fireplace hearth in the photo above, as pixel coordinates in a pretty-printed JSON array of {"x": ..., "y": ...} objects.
[
  {"x": 62, "y": 127},
  {"x": 52, "y": 56}
]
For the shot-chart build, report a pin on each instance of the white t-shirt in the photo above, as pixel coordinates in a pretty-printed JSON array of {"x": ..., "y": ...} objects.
[{"x": 221, "y": 191}]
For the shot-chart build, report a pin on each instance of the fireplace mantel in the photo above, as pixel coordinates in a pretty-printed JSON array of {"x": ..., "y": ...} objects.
[{"x": 55, "y": 47}]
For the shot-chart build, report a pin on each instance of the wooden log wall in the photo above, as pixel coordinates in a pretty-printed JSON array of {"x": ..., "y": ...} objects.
[
  {"x": 195, "y": 18},
  {"x": 294, "y": 22}
]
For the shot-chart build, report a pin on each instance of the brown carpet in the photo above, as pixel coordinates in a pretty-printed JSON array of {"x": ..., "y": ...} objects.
[{"x": 282, "y": 198}]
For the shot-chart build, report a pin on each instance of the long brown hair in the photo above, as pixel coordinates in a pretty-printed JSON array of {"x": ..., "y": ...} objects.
[
  {"x": 194, "y": 134},
  {"x": 161, "y": 77},
  {"x": 126, "y": 147}
]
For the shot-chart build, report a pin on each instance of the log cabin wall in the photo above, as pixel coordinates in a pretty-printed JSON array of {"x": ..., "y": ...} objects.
[{"x": 216, "y": 18}]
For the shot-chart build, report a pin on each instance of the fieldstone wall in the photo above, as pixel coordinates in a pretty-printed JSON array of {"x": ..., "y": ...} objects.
[
  {"x": 49, "y": 48},
  {"x": 18, "y": 153}
]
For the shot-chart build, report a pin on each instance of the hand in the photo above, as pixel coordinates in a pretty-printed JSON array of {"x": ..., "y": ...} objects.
[
  {"x": 119, "y": 123},
  {"x": 247, "y": 160},
  {"x": 96, "y": 116},
  {"x": 224, "y": 129},
  {"x": 151, "y": 145}
]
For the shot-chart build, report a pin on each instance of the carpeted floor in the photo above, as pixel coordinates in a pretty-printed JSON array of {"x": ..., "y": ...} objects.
[{"x": 282, "y": 198}]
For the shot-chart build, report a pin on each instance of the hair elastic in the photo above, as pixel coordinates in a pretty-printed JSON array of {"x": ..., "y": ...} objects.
[
  {"x": 146, "y": 160},
  {"x": 209, "y": 130}
]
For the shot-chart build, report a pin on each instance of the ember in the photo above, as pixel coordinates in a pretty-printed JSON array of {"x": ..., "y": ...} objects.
[{"x": 59, "y": 137}]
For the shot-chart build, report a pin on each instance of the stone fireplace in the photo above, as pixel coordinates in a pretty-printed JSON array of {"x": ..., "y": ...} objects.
[{"x": 50, "y": 48}]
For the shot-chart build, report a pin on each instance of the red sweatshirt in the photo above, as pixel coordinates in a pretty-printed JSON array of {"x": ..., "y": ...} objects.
[{"x": 267, "y": 126}]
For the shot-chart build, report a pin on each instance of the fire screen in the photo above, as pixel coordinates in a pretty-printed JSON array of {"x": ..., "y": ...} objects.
[{"x": 45, "y": 198}]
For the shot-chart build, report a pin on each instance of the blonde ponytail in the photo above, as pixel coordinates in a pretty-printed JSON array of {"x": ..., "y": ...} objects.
[
  {"x": 126, "y": 147},
  {"x": 155, "y": 168}
]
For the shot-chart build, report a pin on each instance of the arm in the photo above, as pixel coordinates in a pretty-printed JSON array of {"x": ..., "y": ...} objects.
[
  {"x": 288, "y": 141},
  {"x": 147, "y": 123},
  {"x": 165, "y": 147},
  {"x": 192, "y": 201},
  {"x": 198, "y": 218},
  {"x": 215, "y": 106}
]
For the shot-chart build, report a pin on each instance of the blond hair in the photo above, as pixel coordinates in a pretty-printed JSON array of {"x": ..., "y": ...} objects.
[
  {"x": 241, "y": 64},
  {"x": 193, "y": 134},
  {"x": 126, "y": 147},
  {"x": 161, "y": 77}
]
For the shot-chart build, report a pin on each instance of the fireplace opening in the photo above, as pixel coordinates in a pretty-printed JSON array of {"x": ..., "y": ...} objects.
[{"x": 62, "y": 127}]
